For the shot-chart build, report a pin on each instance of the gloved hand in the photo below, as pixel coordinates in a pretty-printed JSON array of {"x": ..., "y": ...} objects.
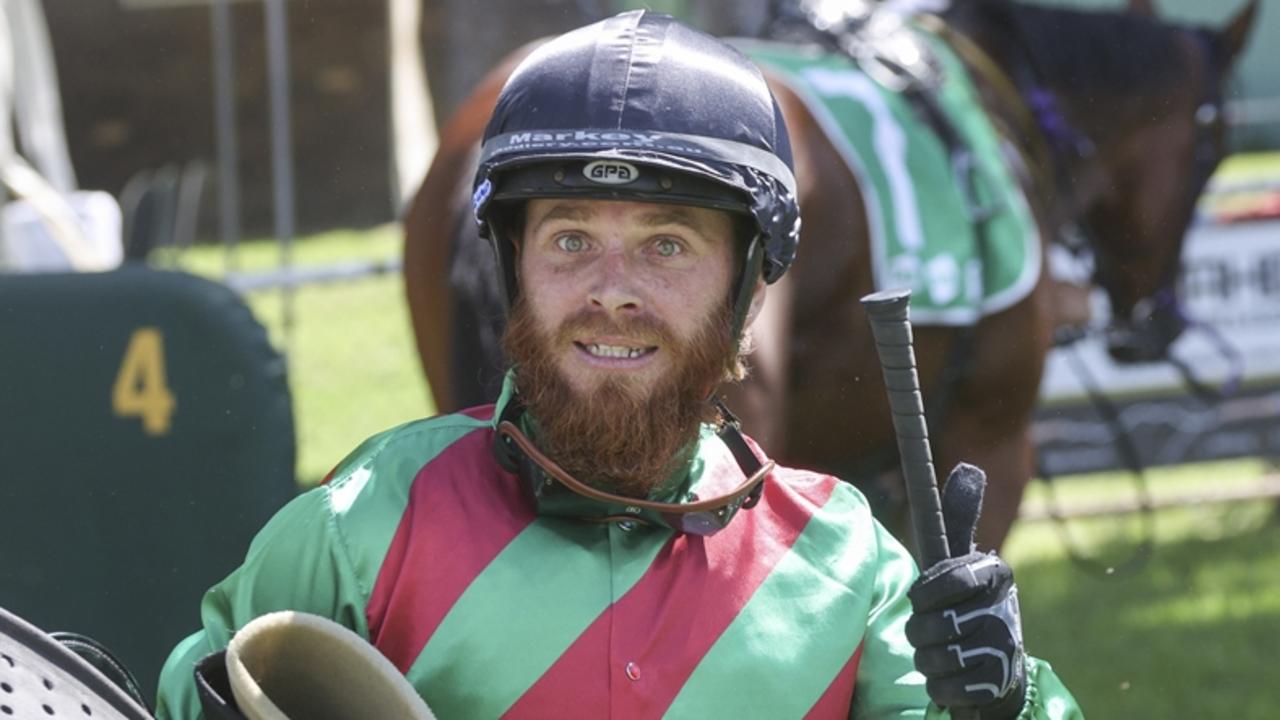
[{"x": 965, "y": 624}]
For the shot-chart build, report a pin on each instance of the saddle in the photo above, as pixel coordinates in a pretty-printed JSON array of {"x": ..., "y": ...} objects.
[
  {"x": 886, "y": 43},
  {"x": 877, "y": 36},
  {"x": 977, "y": 249}
]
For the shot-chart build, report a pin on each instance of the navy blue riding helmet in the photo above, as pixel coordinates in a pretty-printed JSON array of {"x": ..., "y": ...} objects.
[{"x": 642, "y": 107}]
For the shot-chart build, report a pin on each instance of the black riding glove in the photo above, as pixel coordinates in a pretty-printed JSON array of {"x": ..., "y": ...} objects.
[{"x": 966, "y": 627}]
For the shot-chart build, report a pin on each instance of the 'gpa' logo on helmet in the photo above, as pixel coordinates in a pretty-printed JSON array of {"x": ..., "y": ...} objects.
[{"x": 610, "y": 172}]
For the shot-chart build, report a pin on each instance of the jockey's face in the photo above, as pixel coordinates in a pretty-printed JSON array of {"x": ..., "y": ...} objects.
[{"x": 631, "y": 267}]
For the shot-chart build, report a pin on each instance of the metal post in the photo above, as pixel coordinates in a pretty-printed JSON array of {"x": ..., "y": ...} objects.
[
  {"x": 413, "y": 125},
  {"x": 281, "y": 148},
  {"x": 224, "y": 109}
]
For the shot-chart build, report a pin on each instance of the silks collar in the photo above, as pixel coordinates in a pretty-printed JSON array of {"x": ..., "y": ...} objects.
[{"x": 555, "y": 492}]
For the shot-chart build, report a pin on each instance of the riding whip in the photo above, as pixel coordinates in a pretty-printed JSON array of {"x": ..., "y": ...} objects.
[{"x": 888, "y": 311}]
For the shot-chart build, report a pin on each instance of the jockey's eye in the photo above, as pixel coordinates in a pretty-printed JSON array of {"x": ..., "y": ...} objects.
[
  {"x": 667, "y": 247},
  {"x": 571, "y": 243}
]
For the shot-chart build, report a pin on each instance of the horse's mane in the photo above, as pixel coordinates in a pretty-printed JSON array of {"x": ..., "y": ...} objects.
[{"x": 1098, "y": 52}]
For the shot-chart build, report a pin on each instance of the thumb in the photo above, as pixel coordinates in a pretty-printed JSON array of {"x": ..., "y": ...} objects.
[{"x": 961, "y": 506}]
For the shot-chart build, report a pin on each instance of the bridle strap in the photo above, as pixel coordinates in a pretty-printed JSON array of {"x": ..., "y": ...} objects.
[
  {"x": 1006, "y": 90},
  {"x": 1208, "y": 112}
]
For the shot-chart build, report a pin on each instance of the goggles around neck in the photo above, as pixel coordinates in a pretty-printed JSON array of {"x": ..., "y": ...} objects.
[{"x": 556, "y": 491}]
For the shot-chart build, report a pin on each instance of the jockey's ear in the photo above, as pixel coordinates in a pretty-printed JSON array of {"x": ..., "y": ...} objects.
[{"x": 757, "y": 302}]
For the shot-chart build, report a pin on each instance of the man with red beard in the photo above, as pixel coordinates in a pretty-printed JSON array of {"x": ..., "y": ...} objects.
[
  {"x": 604, "y": 541},
  {"x": 622, "y": 333}
]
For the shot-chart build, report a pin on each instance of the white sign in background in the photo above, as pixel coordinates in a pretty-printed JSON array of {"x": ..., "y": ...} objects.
[{"x": 1231, "y": 283}]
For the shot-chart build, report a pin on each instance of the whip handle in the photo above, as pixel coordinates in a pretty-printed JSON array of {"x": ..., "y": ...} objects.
[{"x": 888, "y": 311}]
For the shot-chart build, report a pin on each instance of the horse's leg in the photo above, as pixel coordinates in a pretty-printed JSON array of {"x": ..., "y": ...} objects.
[
  {"x": 987, "y": 418},
  {"x": 760, "y": 401},
  {"x": 426, "y": 279},
  {"x": 791, "y": 364},
  {"x": 439, "y": 209}
]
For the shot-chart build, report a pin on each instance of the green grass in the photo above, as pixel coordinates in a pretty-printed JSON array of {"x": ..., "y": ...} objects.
[
  {"x": 1250, "y": 166},
  {"x": 353, "y": 366},
  {"x": 1243, "y": 169},
  {"x": 334, "y": 246},
  {"x": 1191, "y": 634},
  {"x": 1121, "y": 532}
]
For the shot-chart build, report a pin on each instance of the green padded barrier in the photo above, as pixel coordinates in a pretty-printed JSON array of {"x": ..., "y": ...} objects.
[{"x": 146, "y": 433}]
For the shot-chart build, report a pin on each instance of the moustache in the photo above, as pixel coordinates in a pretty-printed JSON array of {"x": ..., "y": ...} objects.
[{"x": 645, "y": 329}]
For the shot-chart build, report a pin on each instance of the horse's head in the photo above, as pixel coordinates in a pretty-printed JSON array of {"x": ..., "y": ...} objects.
[
  {"x": 1165, "y": 145},
  {"x": 1130, "y": 110}
]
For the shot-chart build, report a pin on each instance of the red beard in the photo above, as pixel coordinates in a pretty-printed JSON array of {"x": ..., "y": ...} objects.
[{"x": 619, "y": 436}]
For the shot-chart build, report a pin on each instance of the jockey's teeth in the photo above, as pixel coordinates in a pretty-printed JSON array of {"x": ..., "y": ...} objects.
[{"x": 614, "y": 351}]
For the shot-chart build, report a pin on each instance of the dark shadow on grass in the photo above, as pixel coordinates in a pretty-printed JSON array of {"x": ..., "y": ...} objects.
[{"x": 1192, "y": 635}]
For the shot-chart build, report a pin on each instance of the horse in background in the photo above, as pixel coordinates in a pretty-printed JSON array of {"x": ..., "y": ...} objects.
[{"x": 1112, "y": 123}]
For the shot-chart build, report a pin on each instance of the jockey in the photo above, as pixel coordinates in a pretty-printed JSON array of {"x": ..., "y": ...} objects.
[{"x": 604, "y": 541}]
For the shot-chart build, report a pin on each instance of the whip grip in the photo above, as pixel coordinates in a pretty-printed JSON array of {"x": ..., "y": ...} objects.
[{"x": 888, "y": 311}]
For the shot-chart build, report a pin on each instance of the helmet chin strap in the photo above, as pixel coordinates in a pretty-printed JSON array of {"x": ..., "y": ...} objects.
[
  {"x": 504, "y": 249},
  {"x": 751, "y": 268}
]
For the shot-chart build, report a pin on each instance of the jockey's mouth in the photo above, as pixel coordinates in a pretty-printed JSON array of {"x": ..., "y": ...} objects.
[{"x": 612, "y": 350}]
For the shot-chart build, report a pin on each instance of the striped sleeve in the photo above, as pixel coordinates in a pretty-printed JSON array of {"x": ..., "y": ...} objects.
[
  {"x": 305, "y": 559},
  {"x": 888, "y": 685}
]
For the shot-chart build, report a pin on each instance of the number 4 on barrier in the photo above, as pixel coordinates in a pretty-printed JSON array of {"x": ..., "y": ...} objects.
[{"x": 141, "y": 388}]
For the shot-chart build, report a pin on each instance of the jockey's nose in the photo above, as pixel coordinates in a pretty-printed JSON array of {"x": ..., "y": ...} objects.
[{"x": 614, "y": 287}]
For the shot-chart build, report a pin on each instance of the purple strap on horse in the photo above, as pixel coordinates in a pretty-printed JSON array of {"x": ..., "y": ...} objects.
[
  {"x": 1167, "y": 299},
  {"x": 1061, "y": 134}
]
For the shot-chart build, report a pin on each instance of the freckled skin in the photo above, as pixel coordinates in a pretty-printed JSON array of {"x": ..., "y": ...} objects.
[{"x": 624, "y": 259}]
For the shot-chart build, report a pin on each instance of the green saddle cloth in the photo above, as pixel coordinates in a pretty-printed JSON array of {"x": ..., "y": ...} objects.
[{"x": 923, "y": 234}]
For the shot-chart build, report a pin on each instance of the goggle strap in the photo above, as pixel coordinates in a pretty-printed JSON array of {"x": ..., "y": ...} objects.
[
  {"x": 731, "y": 435},
  {"x": 748, "y": 491}
]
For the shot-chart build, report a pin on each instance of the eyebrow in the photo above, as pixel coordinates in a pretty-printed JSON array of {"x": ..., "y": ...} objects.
[
  {"x": 674, "y": 216},
  {"x": 577, "y": 213},
  {"x": 657, "y": 218}
]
